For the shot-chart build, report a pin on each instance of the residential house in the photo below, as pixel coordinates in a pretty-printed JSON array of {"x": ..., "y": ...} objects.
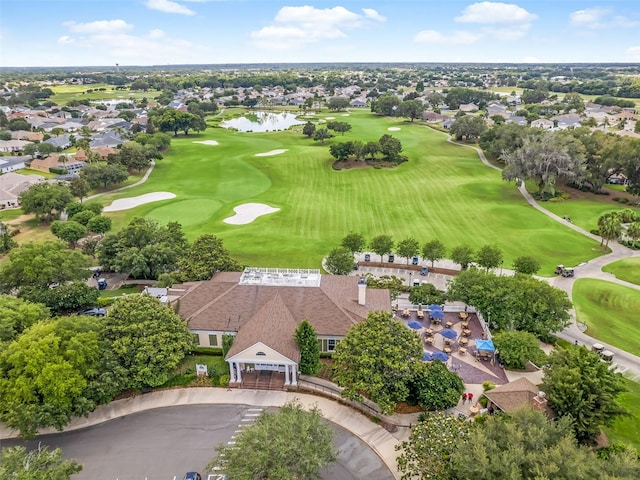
[
  {"x": 432, "y": 117},
  {"x": 12, "y": 185},
  {"x": 26, "y": 135},
  {"x": 358, "y": 103},
  {"x": 263, "y": 307},
  {"x": 61, "y": 141},
  {"x": 13, "y": 146},
  {"x": 517, "y": 120},
  {"x": 13, "y": 163},
  {"x": 569, "y": 120},
  {"x": 448, "y": 122},
  {"x": 468, "y": 107},
  {"x": 106, "y": 139},
  {"x": 498, "y": 109},
  {"x": 543, "y": 123},
  {"x": 517, "y": 394}
]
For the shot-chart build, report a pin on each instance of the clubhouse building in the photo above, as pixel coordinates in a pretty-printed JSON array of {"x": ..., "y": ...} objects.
[{"x": 262, "y": 307}]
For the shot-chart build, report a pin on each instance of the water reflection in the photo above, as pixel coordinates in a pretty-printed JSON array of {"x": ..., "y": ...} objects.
[{"x": 262, "y": 122}]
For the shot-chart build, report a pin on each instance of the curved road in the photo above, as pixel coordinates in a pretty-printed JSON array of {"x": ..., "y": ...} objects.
[
  {"x": 626, "y": 362},
  {"x": 158, "y": 444}
]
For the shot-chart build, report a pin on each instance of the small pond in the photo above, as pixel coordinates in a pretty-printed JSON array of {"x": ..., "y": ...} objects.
[{"x": 262, "y": 122}]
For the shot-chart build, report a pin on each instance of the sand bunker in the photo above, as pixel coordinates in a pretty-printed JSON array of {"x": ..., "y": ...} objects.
[
  {"x": 330, "y": 118},
  {"x": 393, "y": 129},
  {"x": 208, "y": 142},
  {"x": 248, "y": 212},
  {"x": 345, "y": 114},
  {"x": 272, "y": 152},
  {"x": 132, "y": 202}
]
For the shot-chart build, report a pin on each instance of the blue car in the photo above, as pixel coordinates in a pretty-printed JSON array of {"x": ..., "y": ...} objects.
[
  {"x": 424, "y": 271},
  {"x": 94, "y": 312},
  {"x": 414, "y": 260},
  {"x": 192, "y": 476}
]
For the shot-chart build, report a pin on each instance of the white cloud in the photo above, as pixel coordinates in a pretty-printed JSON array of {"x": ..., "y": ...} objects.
[
  {"x": 456, "y": 38},
  {"x": 99, "y": 26},
  {"x": 495, "y": 12},
  {"x": 295, "y": 27},
  {"x": 65, "y": 40},
  {"x": 168, "y": 6},
  {"x": 156, "y": 33},
  {"x": 508, "y": 33},
  {"x": 632, "y": 54},
  {"x": 597, "y": 18}
]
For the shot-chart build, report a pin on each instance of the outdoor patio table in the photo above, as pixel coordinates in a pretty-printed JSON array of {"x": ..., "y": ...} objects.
[
  {"x": 463, "y": 315},
  {"x": 429, "y": 331},
  {"x": 447, "y": 350},
  {"x": 473, "y": 409},
  {"x": 464, "y": 341},
  {"x": 465, "y": 324},
  {"x": 466, "y": 332},
  {"x": 449, "y": 324}
]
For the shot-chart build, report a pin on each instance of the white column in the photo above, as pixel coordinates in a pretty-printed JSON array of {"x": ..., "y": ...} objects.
[
  {"x": 239, "y": 372},
  {"x": 286, "y": 375},
  {"x": 294, "y": 380},
  {"x": 232, "y": 372}
]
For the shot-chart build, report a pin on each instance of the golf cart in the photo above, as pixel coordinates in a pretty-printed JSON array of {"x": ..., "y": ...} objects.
[
  {"x": 568, "y": 272},
  {"x": 559, "y": 270}
]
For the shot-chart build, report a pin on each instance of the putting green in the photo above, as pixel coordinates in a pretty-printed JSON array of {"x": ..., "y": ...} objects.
[
  {"x": 627, "y": 269},
  {"x": 188, "y": 212},
  {"x": 609, "y": 311},
  {"x": 443, "y": 192}
]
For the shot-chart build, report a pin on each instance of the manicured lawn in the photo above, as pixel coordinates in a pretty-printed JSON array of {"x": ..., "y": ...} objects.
[
  {"x": 65, "y": 93},
  {"x": 28, "y": 171},
  {"x": 583, "y": 212},
  {"x": 123, "y": 290},
  {"x": 442, "y": 192},
  {"x": 185, "y": 373},
  {"x": 627, "y": 429},
  {"x": 627, "y": 269},
  {"x": 610, "y": 312}
]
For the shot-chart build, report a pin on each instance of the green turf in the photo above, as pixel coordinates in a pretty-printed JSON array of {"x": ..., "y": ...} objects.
[
  {"x": 28, "y": 171},
  {"x": 63, "y": 94},
  {"x": 583, "y": 212},
  {"x": 443, "y": 192},
  {"x": 609, "y": 311},
  {"x": 627, "y": 269},
  {"x": 12, "y": 214},
  {"x": 627, "y": 429}
]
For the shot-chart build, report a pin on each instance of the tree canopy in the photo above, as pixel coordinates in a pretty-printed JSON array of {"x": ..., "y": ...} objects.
[
  {"x": 45, "y": 200},
  {"x": 205, "y": 257},
  {"x": 434, "y": 387},
  {"x": 517, "y": 348},
  {"x": 354, "y": 242},
  {"x": 290, "y": 444},
  {"x": 340, "y": 261},
  {"x": 381, "y": 244},
  {"x": 309, "y": 349},
  {"x": 433, "y": 251},
  {"x": 376, "y": 359},
  {"x": 16, "y": 463},
  {"x": 426, "y": 294},
  {"x": 16, "y": 315},
  {"x": 408, "y": 247}
]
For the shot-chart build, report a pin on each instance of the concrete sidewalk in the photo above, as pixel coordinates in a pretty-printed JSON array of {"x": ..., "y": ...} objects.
[{"x": 378, "y": 439}]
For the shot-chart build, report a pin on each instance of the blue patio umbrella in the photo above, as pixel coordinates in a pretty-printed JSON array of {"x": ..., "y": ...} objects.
[
  {"x": 415, "y": 325},
  {"x": 443, "y": 357},
  {"x": 436, "y": 314},
  {"x": 448, "y": 333},
  {"x": 427, "y": 357},
  {"x": 433, "y": 307}
]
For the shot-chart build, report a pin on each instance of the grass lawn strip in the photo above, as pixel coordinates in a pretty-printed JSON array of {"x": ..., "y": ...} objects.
[
  {"x": 609, "y": 311},
  {"x": 442, "y": 192},
  {"x": 627, "y": 269},
  {"x": 627, "y": 429}
]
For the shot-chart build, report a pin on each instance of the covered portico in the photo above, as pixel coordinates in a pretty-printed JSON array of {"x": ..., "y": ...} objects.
[{"x": 260, "y": 357}]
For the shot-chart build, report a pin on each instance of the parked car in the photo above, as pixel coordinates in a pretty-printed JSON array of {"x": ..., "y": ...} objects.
[
  {"x": 415, "y": 260},
  {"x": 424, "y": 271},
  {"x": 102, "y": 284},
  {"x": 192, "y": 476},
  {"x": 392, "y": 258},
  {"x": 367, "y": 257},
  {"x": 94, "y": 312}
]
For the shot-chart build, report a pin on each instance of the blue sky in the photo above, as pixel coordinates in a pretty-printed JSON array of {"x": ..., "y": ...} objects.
[{"x": 156, "y": 32}]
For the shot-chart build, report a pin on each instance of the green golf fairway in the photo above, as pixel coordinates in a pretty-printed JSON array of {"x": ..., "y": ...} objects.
[
  {"x": 609, "y": 311},
  {"x": 443, "y": 192},
  {"x": 583, "y": 212},
  {"x": 626, "y": 429},
  {"x": 627, "y": 269}
]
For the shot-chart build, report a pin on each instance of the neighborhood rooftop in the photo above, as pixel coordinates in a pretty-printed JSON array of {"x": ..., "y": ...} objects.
[{"x": 285, "y": 277}]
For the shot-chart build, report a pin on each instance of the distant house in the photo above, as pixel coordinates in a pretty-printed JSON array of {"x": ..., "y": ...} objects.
[
  {"x": 517, "y": 120},
  {"x": 61, "y": 141},
  {"x": 358, "y": 103},
  {"x": 543, "y": 123},
  {"x": 570, "y": 120},
  {"x": 433, "y": 117},
  {"x": 12, "y": 185},
  {"x": 468, "y": 107},
  {"x": 448, "y": 122},
  {"x": 26, "y": 135},
  {"x": 13, "y": 146},
  {"x": 106, "y": 139},
  {"x": 11, "y": 164},
  {"x": 262, "y": 309}
]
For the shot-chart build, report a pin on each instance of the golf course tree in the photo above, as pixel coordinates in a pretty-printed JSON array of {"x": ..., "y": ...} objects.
[
  {"x": 408, "y": 248},
  {"x": 45, "y": 200},
  {"x": 609, "y": 227},
  {"x": 411, "y": 109},
  {"x": 205, "y": 257},
  {"x": 340, "y": 261},
  {"x": 462, "y": 255},
  {"x": 79, "y": 187},
  {"x": 355, "y": 242},
  {"x": 341, "y": 151},
  {"x": 517, "y": 302},
  {"x": 391, "y": 148},
  {"x": 427, "y": 294},
  {"x": 147, "y": 339},
  {"x": 133, "y": 156},
  {"x": 309, "y": 129},
  {"x": 427, "y": 453},
  {"x": 172, "y": 120},
  {"x": 336, "y": 104},
  {"x": 45, "y": 374},
  {"x": 377, "y": 359},
  {"x": 518, "y": 348},
  {"x": 526, "y": 265},
  {"x": 386, "y": 104},
  {"x": 633, "y": 233},
  {"x": 63, "y": 299},
  {"x": 99, "y": 224},
  {"x": 434, "y": 387},
  {"x": 42, "y": 264},
  {"x": 545, "y": 158},
  {"x": 98, "y": 175},
  {"x": 6, "y": 238},
  {"x": 321, "y": 135},
  {"x": 290, "y": 444},
  {"x": 489, "y": 256},
  {"x": 307, "y": 340},
  {"x": 468, "y": 127},
  {"x": 526, "y": 445},
  {"x": 339, "y": 127},
  {"x": 69, "y": 231},
  {"x": 583, "y": 388},
  {"x": 381, "y": 245},
  {"x": 433, "y": 251},
  {"x": 41, "y": 150},
  {"x": 16, "y": 315},
  {"x": 144, "y": 249},
  {"x": 16, "y": 463}
]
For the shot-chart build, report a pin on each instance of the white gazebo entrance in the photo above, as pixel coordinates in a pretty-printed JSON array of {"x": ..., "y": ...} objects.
[{"x": 259, "y": 358}]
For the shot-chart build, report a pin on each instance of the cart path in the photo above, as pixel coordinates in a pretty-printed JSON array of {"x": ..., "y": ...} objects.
[
  {"x": 626, "y": 362},
  {"x": 139, "y": 182}
]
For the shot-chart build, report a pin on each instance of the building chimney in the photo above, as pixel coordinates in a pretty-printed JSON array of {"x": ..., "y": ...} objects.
[
  {"x": 362, "y": 291},
  {"x": 539, "y": 402}
]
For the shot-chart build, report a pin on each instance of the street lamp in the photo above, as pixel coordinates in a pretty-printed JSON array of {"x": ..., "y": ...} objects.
[
  {"x": 410, "y": 273},
  {"x": 501, "y": 263}
]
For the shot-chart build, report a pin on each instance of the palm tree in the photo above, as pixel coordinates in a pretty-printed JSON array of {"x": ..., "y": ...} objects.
[{"x": 610, "y": 227}]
